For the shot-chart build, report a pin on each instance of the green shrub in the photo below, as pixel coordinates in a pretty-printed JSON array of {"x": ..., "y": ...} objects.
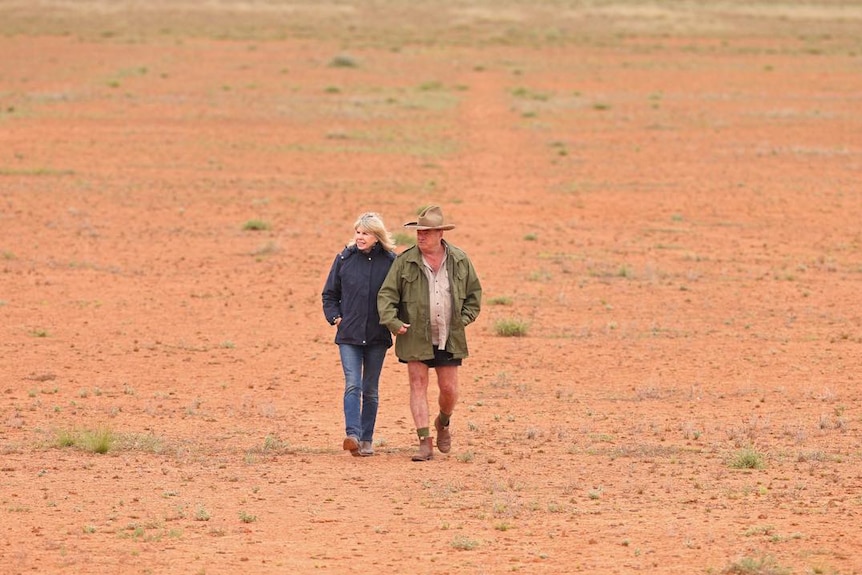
[
  {"x": 752, "y": 566},
  {"x": 255, "y": 226},
  {"x": 747, "y": 458},
  {"x": 98, "y": 441},
  {"x": 343, "y": 61},
  {"x": 510, "y": 328},
  {"x": 404, "y": 239},
  {"x": 464, "y": 543}
]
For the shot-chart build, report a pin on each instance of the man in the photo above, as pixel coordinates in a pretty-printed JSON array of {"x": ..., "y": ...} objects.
[{"x": 429, "y": 296}]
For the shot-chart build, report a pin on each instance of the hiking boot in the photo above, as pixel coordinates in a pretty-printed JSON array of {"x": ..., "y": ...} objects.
[
  {"x": 426, "y": 450},
  {"x": 444, "y": 438},
  {"x": 366, "y": 449},
  {"x": 351, "y": 444}
]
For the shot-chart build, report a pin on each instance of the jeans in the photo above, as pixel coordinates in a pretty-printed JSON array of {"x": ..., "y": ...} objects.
[{"x": 362, "y": 365}]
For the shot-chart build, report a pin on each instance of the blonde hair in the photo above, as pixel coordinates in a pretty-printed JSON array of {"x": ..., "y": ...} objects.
[{"x": 372, "y": 223}]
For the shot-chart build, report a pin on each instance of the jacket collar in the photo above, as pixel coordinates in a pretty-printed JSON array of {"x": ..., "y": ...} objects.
[
  {"x": 353, "y": 249},
  {"x": 415, "y": 256}
]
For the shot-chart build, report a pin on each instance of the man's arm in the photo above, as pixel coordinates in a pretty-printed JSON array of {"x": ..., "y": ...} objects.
[
  {"x": 473, "y": 296},
  {"x": 389, "y": 297}
]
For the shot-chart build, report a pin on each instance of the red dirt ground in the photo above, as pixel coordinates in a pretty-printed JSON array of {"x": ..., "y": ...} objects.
[{"x": 675, "y": 220}]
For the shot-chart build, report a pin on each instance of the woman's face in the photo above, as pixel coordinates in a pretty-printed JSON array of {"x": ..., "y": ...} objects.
[{"x": 365, "y": 240}]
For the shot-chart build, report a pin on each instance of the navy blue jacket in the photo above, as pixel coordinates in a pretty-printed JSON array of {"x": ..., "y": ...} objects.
[{"x": 350, "y": 293}]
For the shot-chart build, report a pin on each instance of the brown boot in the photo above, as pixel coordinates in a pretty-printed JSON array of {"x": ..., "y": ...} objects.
[
  {"x": 444, "y": 438},
  {"x": 351, "y": 444},
  {"x": 426, "y": 450}
]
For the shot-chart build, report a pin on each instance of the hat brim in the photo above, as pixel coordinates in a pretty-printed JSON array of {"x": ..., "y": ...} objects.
[{"x": 416, "y": 226}]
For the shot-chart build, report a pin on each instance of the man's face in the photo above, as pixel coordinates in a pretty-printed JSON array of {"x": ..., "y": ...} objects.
[{"x": 428, "y": 240}]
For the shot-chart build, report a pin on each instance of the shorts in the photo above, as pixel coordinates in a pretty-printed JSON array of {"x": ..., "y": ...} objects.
[{"x": 442, "y": 358}]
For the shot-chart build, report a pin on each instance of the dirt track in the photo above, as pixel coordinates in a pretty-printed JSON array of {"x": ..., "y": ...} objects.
[{"x": 667, "y": 198}]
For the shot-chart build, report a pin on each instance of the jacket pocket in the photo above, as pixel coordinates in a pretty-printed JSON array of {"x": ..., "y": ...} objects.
[
  {"x": 409, "y": 295},
  {"x": 410, "y": 285}
]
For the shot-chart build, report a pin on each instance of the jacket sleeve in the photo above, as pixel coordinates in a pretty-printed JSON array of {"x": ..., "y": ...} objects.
[
  {"x": 388, "y": 298},
  {"x": 332, "y": 292},
  {"x": 473, "y": 296}
]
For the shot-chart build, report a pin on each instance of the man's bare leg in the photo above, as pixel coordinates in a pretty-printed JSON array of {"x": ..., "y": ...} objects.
[
  {"x": 417, "y": 372},
  {"x": 447, "y": 381}
]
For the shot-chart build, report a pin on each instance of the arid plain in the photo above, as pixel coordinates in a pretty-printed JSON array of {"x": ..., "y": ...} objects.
[{"x": 663, "y": 197}]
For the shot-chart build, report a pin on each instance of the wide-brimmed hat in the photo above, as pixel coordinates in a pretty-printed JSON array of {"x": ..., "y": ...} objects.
[{"x": 431, "y": 218}]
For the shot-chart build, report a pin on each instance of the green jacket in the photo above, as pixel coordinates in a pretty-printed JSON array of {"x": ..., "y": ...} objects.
[{"x": 403, "y": 298}]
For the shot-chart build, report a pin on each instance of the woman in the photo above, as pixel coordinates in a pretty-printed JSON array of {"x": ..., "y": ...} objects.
[{"x": 350, "y": 304}]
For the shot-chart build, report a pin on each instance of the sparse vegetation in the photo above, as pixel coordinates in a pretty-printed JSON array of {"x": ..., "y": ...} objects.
[
  {"x": 431, "y": 86},
  {"x": 274, "y": 444},
  {"x": 660, "y": 208},
  {"x": 755, "y": 566},
  {"x": 511, "y": 327},
  {"x": 404, "y": 238},
  {"x": 97, "y": 441},
  {"x": 747, "y": 458},
  {"x": 267, "y": 249},
  {"x": 35, "y": 172},
  {"x": 247, "y": 517},
  {"x": 255, "y": 226},
  {"x": 465, "y": 457},
  {"x": 464, "y": 543},
  {"x": 500, "y": 300},
  {"x": 202, "y": 514},
  {"x": 102, "y": 440},
  {"x": 343, "y": 61},
  {"x": 528, "y": 94}
]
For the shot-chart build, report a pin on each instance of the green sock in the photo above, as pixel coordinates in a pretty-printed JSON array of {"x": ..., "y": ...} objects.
[
  {"x": 423, "y": 432},
  {"x": 444, "y": 419}
]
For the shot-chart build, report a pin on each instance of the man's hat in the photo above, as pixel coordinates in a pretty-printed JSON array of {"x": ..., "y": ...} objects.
[{"x": 431, "y": 218}]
